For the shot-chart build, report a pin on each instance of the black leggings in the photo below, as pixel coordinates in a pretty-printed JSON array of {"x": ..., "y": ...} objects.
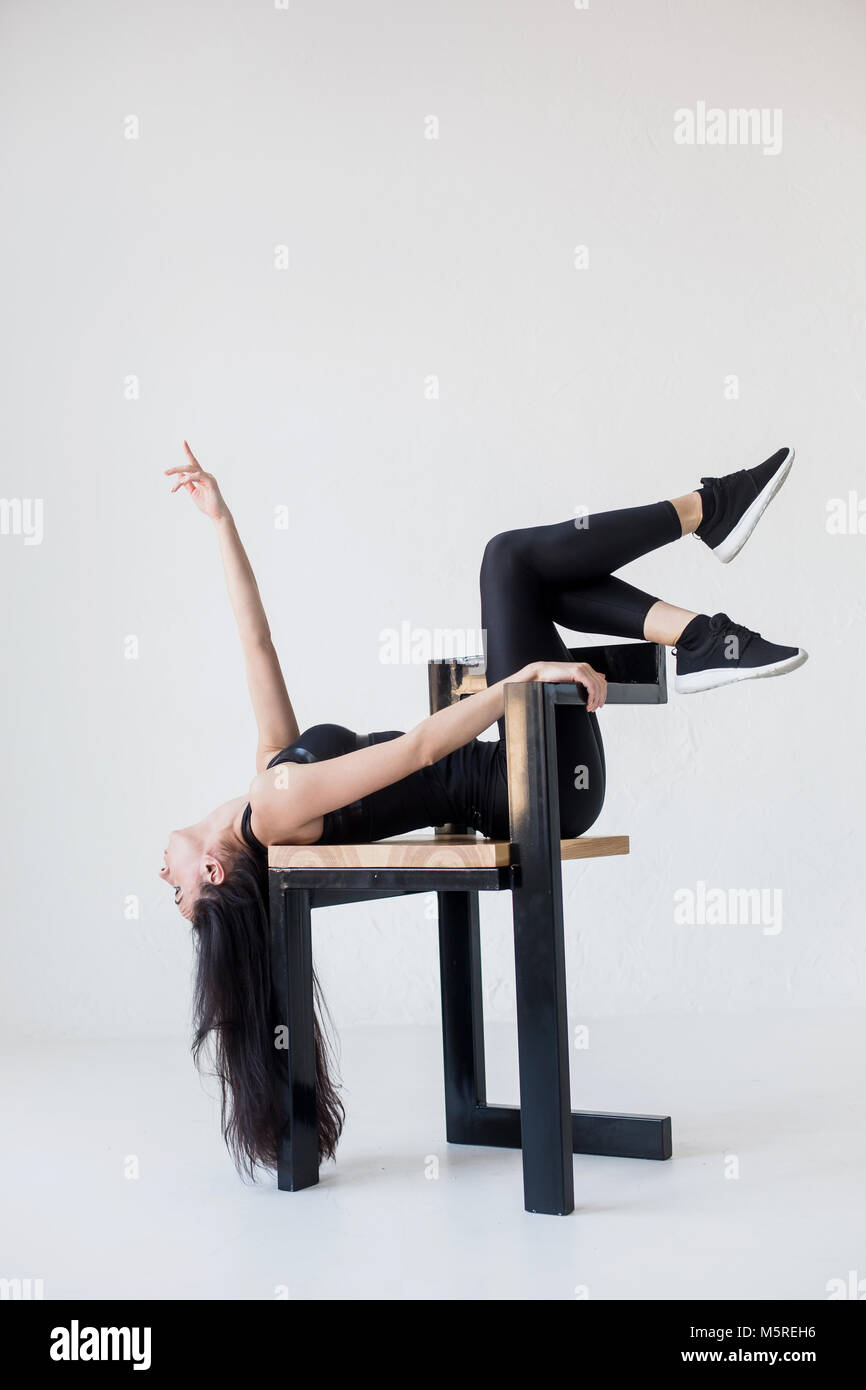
[{"x": 541, "y": 575}]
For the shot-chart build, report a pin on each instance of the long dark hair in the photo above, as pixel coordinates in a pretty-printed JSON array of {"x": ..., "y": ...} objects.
[{"x": 234, "y": 1021}]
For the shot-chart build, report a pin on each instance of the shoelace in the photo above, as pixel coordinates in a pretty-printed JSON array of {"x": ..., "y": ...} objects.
[
  {"x": 721, "y": 623},
  {"x": 715, "y": 484},
  {"x": 727, "y": 628}
]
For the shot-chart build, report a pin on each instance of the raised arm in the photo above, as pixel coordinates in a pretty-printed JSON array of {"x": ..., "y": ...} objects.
[
  {"x": 275, "y": 718},
  {"x": 286, "y": 800}
]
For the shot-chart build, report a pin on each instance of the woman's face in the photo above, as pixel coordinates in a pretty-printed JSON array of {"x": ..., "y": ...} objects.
[
  {"x": 183, "y": 868},
  {"x": 201, "y": 853}
]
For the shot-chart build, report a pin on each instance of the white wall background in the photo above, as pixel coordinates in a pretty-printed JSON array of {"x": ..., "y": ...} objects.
[{"x": 154, "y": 258}]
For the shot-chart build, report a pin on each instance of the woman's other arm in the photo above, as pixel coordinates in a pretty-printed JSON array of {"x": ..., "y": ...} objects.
[{"x": 275, "y": 718}]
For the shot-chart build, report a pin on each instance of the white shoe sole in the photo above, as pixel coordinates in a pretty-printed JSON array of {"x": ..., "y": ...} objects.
[
  {"x": 716, "y": 676},
  {"x": 734, "y": 542}
]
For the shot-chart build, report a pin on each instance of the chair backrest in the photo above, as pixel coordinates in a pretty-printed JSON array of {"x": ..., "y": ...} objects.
[
  {"x": 451, "y": 678},
  {"x": 636, "y": 674}
]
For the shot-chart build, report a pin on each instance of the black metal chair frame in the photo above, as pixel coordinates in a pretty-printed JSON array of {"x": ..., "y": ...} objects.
[{"x": 543, "y": 1125}]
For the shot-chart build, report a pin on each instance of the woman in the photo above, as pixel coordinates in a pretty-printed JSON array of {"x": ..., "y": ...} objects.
[{"x": 330, "y": 785}]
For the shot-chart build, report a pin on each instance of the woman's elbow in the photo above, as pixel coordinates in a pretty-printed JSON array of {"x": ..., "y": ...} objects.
[{"x": 422, "y": 750}]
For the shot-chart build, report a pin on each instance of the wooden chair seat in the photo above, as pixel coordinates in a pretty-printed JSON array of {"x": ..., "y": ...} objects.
[{"x": 431, "y": 852}]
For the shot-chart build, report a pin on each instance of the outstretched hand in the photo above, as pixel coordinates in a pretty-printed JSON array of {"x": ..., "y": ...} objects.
[{"x": 202, "y": 487}]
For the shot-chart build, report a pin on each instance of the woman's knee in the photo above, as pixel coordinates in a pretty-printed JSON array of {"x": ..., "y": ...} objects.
[{"x": 501, "y": 553}]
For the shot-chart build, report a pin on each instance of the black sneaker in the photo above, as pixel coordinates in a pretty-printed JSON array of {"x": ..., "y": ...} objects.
[
  {"x": 738, "y": 500},
  {"x": 714, "y": 651}
]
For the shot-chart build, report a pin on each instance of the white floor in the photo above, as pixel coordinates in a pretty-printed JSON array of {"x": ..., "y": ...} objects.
[{"x": 776, "y": 1097}]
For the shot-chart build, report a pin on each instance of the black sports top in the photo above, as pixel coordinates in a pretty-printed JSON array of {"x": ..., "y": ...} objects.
[{"x": 465, "y": 787}]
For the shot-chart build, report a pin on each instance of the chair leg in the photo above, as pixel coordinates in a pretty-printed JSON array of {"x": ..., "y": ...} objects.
[
  {"x": 539, "y": 953},
  {"x": 292, "y": 992},
  {"x": 542, "y": 1038},
  {"x": 462, "y": 1014}
]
